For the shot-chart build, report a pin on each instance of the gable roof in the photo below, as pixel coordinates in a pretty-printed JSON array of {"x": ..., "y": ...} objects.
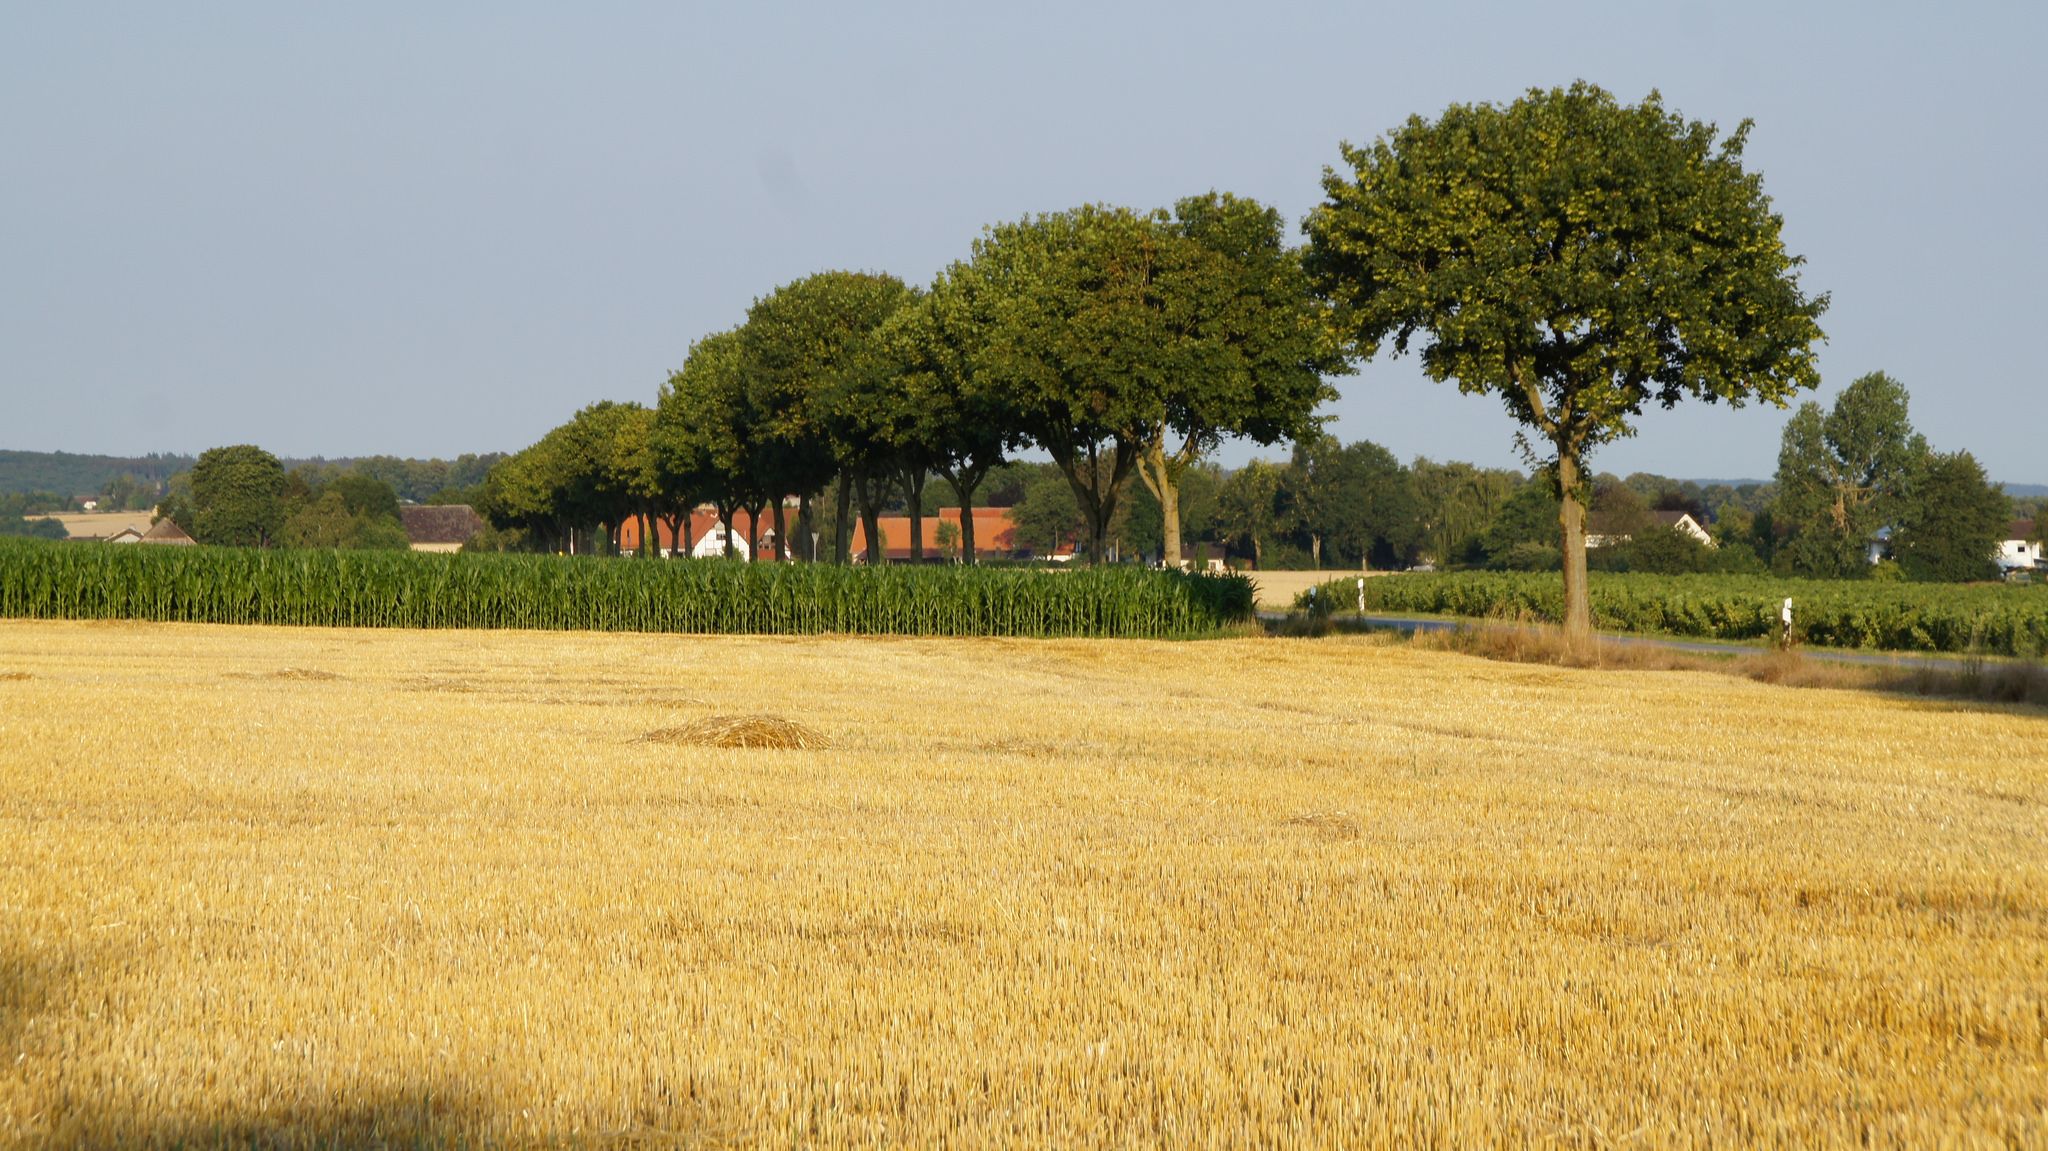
[
  {"x": 439, "y": 523},
  {"x": 167, "y": 531},
  {"x": 2023, "y": 530}
]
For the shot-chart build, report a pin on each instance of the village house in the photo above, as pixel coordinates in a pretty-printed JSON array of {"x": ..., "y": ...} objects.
[
  {"x": 439, "y": 527},
  {"x": 166, "y": 531},
  {"x": 704, "y": 536},
  {"x": 1681, "y": 522},
  {"x": 2022, "y": 550}
]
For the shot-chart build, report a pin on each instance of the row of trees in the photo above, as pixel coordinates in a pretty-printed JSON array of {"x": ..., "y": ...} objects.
[
  {"x": 1571, "y": 257},
  {"x": 1121, "y": 344}
]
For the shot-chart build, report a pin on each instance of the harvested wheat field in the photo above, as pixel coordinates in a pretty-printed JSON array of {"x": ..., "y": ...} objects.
[{"x": 301, "y": 887}]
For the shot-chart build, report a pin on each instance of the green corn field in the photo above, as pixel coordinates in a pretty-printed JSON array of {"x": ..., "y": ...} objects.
[
  {"x": 1989, "y": 618},
  {"x": 316, "y": 588}
]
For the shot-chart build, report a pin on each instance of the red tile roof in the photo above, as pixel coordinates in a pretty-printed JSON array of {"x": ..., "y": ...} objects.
[{"x": 994, "y": 534}]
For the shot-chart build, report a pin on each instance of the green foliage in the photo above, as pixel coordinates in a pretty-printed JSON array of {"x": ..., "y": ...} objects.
[
  {"x": 350, "y": 511},
  {"x": 598, "y": 469},
  {"x": 1458, "y": 505},
  {"x": 1142, "y": 527},
  {"x": 72, "y": 474},
  {"x": 949, "y": 417},
  {"x": 1528, "y": 518},
  {"x": 1843, "y": 475},
  {"x": 1046, "y": 516},
  {"x": 237, "y": 497},
  {"x": 1529, "y": 555},
  {"x": 128, "y": 492},
  {"x": 1575, "y": 259},
  {"x": 29, "y": 503},
  {"x": 1657, "y": 550},
  {"x": 1995, "y": 619},
  {"x": 384, "y": 589},
  {"x": 820, "y": 395},
  {"x": 12, "y": 523},
  {"x": 1617, "y": 509},
  {"x": 1248, "y": 509},
  {"x": 1129, "y": 340},
  {"x": 1347, "y": 501},
  {"x": 1952, "y": 522}
]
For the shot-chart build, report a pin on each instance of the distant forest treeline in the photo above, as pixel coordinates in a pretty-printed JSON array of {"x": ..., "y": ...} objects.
[
  {"x": 76, "y": 476},
  {"x": 68, "y": 474}
]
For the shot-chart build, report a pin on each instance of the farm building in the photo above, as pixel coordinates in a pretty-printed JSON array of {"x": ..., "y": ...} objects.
[
  {"x": 704, "y": 536},
  {"x": 164, "y": 531},
  {"x": 439, "y": 527},
  {"x": 994, "y": 535}
]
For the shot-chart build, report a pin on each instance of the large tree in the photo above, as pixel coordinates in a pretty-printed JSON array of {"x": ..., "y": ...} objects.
[
  {"x": 703, "y": 423},
  {"x": 1575, "y": 258},
  {"x": 1249, "y": 343},
  {"x": 237, "y": 497},
  {"x": 1842, "y": 476},
  {"x": 798, "y": 353},
  {"x": 1952, "y": 521},
  {"x": 1247, "y": 507},
  {"x": 1457, "y": 505},
  {"x": 1137, "y": 342},
  {"x": 951, "y": 419}
]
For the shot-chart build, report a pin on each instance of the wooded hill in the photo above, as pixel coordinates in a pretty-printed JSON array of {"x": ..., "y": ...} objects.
[
  {"x": 69, "y": 474},
  {"x": 83, "y": 476}
]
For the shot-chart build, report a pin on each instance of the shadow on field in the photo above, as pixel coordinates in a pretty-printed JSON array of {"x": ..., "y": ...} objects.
[
  {"x": 24, "y": 989},
  {"x": 417, "y": 1118},
  {"x": 428, "y": 1118},
  {"x": 66, "y": 1107}
]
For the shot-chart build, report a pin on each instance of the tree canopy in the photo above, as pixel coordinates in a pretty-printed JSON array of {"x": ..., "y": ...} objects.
[
  {"x": 1139, "y": 341},
  {"x": 1575, "y": 258},
  {"x": 1952, "y": 522},
  {"x": 237, "y": 497},
  {"x": 1843, "y": 475}
]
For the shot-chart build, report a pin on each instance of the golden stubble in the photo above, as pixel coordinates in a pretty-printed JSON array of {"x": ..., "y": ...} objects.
[{"x": 301, "y": 887}]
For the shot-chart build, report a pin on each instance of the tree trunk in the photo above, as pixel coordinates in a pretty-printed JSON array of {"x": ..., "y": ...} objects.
[
  {"x": 805, "y": 550},
  {"x": 1315, "y": 550},
  {"x": 781, "y": 534},
  {"x": 1095, "y": 494},
  {"x": 725, "y": 514},
  {"x": 1578, "y": 610},
  {"x": 964, "y": 484},
  {"x": 913, "y": 486},
  {"x": 867, "y": 490},
  {"x": 1258, "y": 555},
  {"x": 1162, "y": 479},
  {"x": 754, "y": 533},
  {"x": 842, "y": 528}
]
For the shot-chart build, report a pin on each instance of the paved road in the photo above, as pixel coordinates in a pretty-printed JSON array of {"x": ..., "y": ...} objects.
[{"x": 1413, "y": 624}]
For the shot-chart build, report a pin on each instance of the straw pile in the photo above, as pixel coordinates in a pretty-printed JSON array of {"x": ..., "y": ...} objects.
[{"x": 770, "y": 731}]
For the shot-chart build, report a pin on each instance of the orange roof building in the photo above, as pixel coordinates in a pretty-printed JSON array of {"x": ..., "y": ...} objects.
[{"x": 995, "y": 536}]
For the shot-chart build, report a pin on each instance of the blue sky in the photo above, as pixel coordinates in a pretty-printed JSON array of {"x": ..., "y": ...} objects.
[{"x": 430, "y": 229}]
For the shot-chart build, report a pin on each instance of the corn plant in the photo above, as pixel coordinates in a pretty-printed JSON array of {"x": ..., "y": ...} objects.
[{"x": 42, "y": 580}]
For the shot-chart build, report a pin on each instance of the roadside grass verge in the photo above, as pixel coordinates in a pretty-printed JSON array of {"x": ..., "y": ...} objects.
[{"x": 1972, "y": 676}]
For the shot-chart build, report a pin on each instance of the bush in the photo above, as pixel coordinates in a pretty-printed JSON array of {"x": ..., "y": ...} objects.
[{"x": 2002, "y": 620}]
